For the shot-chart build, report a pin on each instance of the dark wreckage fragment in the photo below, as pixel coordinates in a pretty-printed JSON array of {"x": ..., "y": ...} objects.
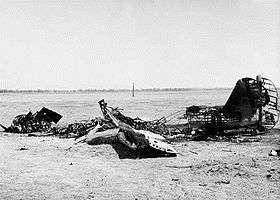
[{"x": 33, "y": 122}]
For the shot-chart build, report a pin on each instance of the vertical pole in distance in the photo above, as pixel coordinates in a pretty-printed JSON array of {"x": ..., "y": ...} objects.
[{"x": 132, "y": 89}]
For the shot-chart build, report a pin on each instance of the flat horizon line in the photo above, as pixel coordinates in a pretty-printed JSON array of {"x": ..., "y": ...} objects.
[
  {"x": 105, "y": 90},
  {"x": 111, "y": 90}
]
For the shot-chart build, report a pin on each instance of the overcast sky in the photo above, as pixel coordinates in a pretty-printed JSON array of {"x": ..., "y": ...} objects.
[{"x": 110, "y": 44}]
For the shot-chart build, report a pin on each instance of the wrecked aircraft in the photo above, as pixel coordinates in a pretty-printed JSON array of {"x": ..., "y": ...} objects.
[
  {"x": 142, "y": 141},
  {"x": 33, "y": 122},
  {"x": 251, "y": 108}
]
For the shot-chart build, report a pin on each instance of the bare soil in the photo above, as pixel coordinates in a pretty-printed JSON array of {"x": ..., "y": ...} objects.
[{"x": 53, "y": 168}]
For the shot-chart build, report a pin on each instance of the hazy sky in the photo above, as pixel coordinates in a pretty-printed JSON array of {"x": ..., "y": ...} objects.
[{"x": 110, "y": 44}]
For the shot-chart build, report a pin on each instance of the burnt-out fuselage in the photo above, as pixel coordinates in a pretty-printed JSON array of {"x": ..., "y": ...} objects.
[{"x": 252, "y": 105}]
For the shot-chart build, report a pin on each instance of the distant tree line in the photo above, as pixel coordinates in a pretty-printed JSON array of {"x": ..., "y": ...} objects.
[{"x": 106, "y": 90}]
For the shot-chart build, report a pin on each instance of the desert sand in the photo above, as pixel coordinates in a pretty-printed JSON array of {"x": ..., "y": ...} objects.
[{"x": 54, "y": 168}]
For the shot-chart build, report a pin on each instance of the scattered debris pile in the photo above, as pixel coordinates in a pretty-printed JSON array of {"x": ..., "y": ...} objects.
[
  {"x": 251, "y": 109},
  {"x": 155, "y": 126},
  {"x": 39, "y": 121},
  {"x": 81, "y": 128}
]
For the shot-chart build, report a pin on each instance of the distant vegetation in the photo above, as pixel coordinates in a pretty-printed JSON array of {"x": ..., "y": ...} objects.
[
  {"x": 111, "y": 90},
  {"x": 106, "y": 90}
]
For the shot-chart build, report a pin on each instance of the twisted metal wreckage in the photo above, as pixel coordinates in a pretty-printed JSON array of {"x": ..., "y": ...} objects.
[
  {"x": 39, "y": 121},
  {"x": 252, "y": 108}
]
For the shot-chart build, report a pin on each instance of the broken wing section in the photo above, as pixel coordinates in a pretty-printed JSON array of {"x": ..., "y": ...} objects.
[{"x": 143, "y": 141}]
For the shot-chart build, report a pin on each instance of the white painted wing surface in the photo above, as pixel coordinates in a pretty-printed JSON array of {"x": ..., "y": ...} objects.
[{"x": 160, "y": 145}]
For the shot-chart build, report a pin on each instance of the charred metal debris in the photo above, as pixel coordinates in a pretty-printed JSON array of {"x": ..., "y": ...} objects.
[
  {"x": 39, "y": 121},
  {"x": 252, "y": 108}
]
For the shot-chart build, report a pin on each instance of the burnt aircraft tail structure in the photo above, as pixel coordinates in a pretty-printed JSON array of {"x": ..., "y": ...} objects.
[{"x": 252, "y": 106}]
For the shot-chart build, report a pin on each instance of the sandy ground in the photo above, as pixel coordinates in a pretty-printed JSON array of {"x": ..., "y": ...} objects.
[{"x": 53, "y": 168}]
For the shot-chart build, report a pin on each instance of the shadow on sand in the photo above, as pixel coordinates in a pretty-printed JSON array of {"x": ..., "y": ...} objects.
[{"x": 126, "y": 153}]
